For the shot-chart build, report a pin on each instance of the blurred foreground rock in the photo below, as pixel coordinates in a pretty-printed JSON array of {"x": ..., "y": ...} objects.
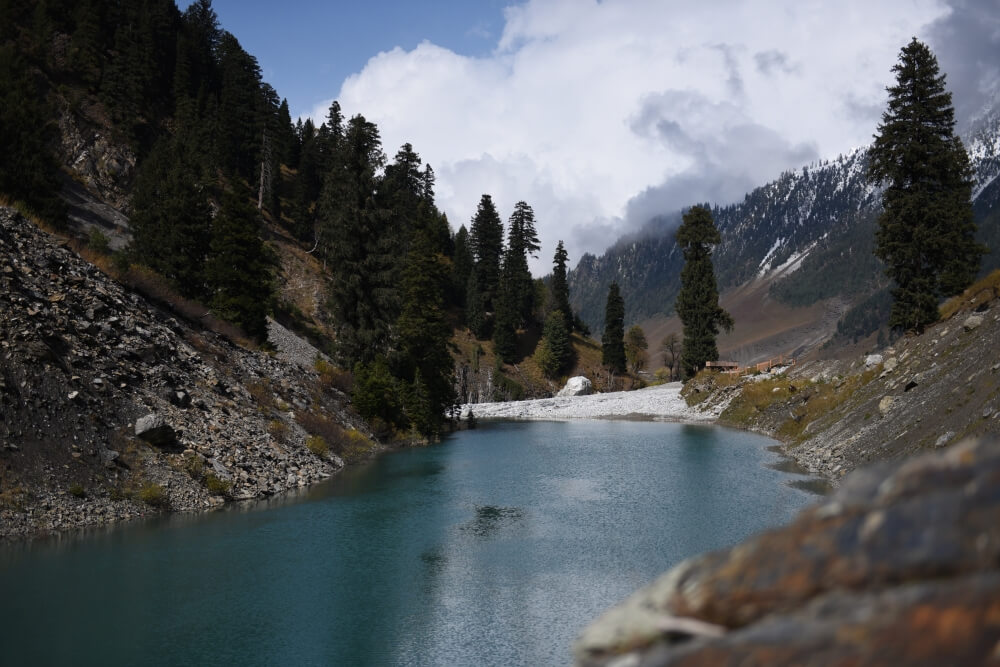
[{"x": 900, "y": 566}]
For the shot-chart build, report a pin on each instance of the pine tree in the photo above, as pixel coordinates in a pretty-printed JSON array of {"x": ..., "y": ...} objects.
[
  {"x": 613, "y": 340},
  {"x": 239, "y": 128},
  {"x": 28, "y": 171},
  {"x": 506, "y": 317},
  {"x": 486, "y": 242},
  {"x": 698, "y": 300},
  {"x": 171, "y": 220},
  {"x": 361, "y": 246},
  {"x": 560, "y": 286},
  {"x": 462, "y": 267},
  {"x": 475, "y": 312},
  {"x": 555, "y": 352},
  {"x": 926, "y": 234},
  {"x": 424, "y": 361},
  {"x": 238, "y": 270},
  {"x": 377, "y": 394},
  {"x": 522, "y": 242}
]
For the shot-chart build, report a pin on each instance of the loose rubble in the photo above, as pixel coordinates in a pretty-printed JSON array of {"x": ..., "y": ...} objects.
[
  {"x": 103, "y": 394},
  {"x": 922, "y": 393}
]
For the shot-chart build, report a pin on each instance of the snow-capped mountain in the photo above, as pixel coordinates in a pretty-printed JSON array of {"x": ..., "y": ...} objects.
[{"x": 809, "y": 233}]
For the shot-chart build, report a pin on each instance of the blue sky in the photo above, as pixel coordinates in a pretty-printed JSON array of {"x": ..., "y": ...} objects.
[
  {"x": 307, "y": 49},
  {"x": 603, "y": 113}
]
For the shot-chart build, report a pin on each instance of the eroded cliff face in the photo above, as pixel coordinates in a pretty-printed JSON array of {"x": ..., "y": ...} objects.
[
  {"x": 83, "y": 361},
  {"x": 901, "y": 566}
]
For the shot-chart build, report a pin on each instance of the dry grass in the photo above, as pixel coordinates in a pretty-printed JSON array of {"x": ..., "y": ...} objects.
[
  {"x": 981, "y": 292},
  {"x": 260, "y": 392},
  {"x": 755, "y": 397},
  {"x": 216, "y": 485},
  {"x": 13, "y": 498},
  {"x": 804, "y": 402},
  {"x": 331, "y": 376},
  {"x": 278, "y": 429},
  {"x": 701, "y": 386},
  {"x": 328, "y": 435},
  {"x": 154, "y": 495},
  {"x": 317, "y": 445},
  {"x": 157, "y": 288}
]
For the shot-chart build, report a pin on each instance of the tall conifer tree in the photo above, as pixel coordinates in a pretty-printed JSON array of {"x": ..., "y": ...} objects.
[
  {"x": 613, "y": 339},
  {"x": 475, "y": 312},
  {"x": 361, "y": 247},
  {"x": 171, "y": 220},
  {"x": 698, "y": 300},
  {"x": 560, "y": 286},
  {"x": 506, "y": 316},
  {"x": 926, "y": 233},
  {"x": 27, "y": 170},
  {"x": 423, "y": 332},
  {"x": 486, "y": 242},
  {"x": 522, "y": 242},
  {"x": 461, "y": 265},
  {"x": 238, "y": 271}
]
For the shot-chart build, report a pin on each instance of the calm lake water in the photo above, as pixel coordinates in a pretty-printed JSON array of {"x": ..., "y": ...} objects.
[{"x": 493, "y": 548}]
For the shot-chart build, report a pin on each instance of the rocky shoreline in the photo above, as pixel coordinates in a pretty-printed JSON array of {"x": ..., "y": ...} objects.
[
  {"x": 898, "y": 566},
  {"x": 84, "y": 360}
]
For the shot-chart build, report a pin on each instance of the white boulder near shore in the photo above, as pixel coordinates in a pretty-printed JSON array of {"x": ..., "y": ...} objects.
[
  {"x": 662, "y": 402},
  {"x": 576, "y": 386}
]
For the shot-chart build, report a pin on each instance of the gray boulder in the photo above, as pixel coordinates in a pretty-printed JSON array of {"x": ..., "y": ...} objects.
[
  {"x": 972, "y": 322},
  {"x": 155, "y": 430}
]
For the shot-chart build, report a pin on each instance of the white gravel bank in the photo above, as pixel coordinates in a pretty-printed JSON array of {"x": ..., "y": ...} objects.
[{"x": 662, "y": 402}]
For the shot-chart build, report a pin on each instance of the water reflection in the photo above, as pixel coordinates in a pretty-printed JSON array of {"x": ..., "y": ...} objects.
[{"x": 490, "y": 519}]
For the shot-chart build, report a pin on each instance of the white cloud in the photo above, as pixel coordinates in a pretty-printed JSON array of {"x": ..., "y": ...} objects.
[{"x": 600, "y": 114}]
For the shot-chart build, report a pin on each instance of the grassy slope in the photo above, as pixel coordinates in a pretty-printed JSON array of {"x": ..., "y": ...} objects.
[{"x": 764, "y": 327}]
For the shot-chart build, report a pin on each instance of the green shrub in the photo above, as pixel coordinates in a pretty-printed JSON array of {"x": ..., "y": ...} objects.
[
  {"x": 195, "y": 467},
  {"x": 358, "y": 447},
  {"x": 377, "y": 393},
  {"x": 98, "y": 241},
  {"x": 77, "y": 490},
  {"x": 216, "y": 485},
  {"x": 154, "y": 495},
  {"x": 317, "y": 445}
]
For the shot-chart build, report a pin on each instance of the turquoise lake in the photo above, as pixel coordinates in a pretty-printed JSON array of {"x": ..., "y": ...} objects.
[{"x": 495, "y": 547}]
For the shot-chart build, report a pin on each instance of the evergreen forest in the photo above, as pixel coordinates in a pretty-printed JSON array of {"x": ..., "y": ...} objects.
[{"x": 220, "y": 165}]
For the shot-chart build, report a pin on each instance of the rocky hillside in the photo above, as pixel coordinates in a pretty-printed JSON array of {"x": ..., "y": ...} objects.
[
  {"x": 900, "y": 566},
  {"x": 113, "y": 407},
  {"x": 923, "y": 393}
]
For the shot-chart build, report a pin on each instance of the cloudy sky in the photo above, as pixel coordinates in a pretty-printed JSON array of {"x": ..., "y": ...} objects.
[{"x": 603, "y": 114}]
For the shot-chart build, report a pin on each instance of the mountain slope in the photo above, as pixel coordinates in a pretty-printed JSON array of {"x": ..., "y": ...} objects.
[
  {"x": 84, "y": 362},
  {"x": 808, "y": 235}
]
